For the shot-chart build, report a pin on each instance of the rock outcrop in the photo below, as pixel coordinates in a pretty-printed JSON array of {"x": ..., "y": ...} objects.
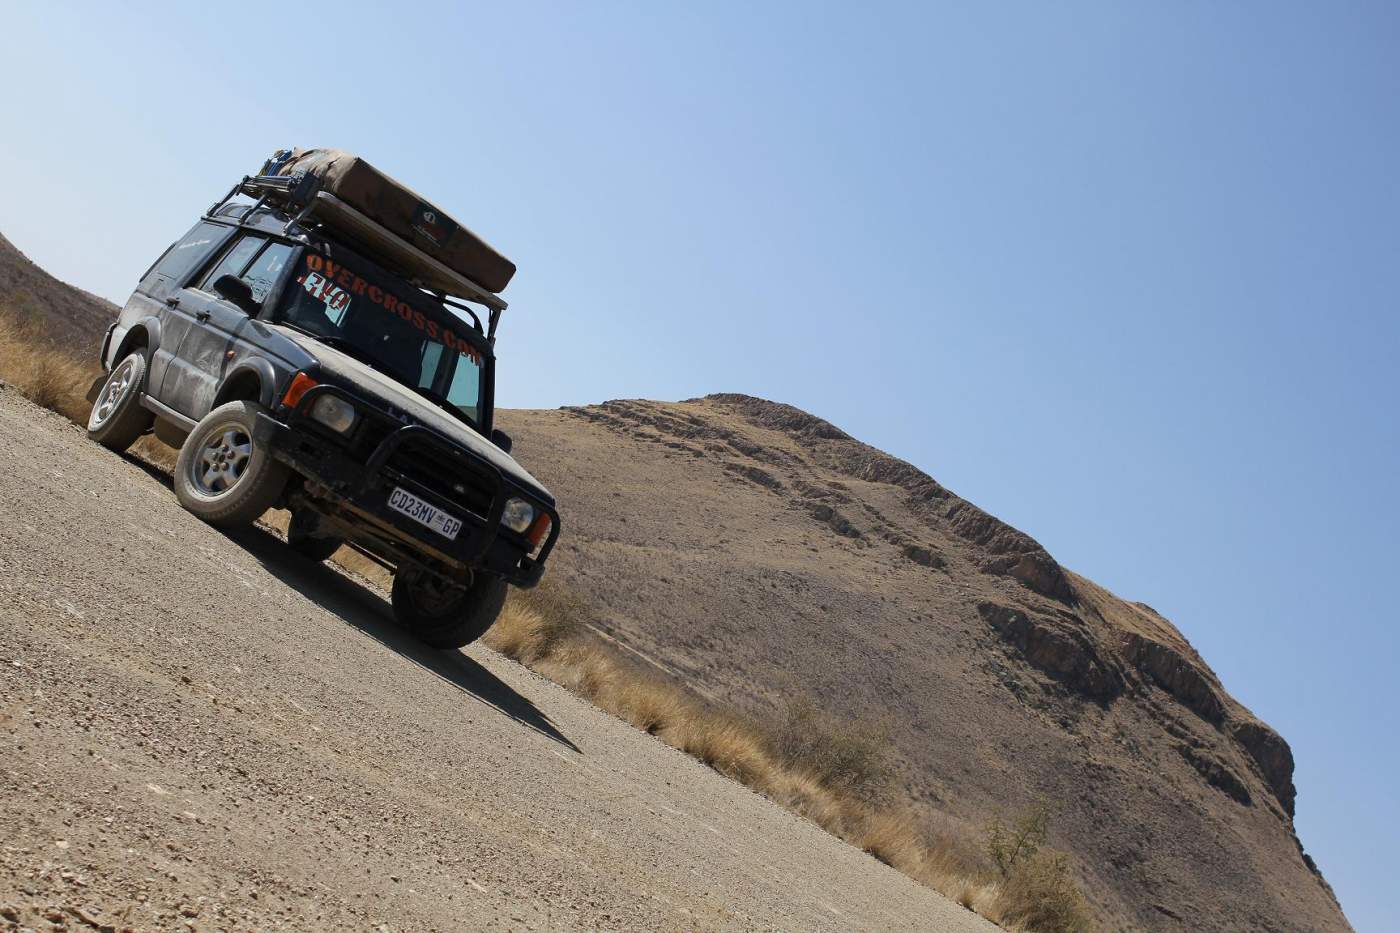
[{"x": 759, "y": 553}]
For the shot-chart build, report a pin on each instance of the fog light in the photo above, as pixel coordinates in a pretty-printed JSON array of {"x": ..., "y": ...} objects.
[
  {"x": 335, "y": 413},
  {"x": 518, "y": 515}
]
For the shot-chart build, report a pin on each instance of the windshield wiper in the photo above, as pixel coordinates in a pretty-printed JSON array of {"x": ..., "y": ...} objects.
[{"x": 444, "y": 404}]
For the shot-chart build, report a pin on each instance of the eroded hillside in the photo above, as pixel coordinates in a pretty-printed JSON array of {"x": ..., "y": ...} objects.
[
  {"x": 63, "y": 315},
  {"x": 757, "y": 553}
]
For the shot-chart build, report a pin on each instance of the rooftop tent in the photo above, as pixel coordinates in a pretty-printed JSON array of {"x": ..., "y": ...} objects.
[{"x": 372, "y": 195}]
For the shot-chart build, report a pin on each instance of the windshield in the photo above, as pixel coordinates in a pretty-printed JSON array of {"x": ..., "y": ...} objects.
[{"x": 386, "y": 324}]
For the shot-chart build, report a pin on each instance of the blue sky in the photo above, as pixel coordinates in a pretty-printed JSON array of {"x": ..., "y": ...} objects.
[{"x": 1123, "y": 274}]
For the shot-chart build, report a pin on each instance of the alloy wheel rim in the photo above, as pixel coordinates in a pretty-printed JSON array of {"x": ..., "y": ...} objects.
[
  {"x": 113, "y": 393},
  {"x": 222, "y": 459}
]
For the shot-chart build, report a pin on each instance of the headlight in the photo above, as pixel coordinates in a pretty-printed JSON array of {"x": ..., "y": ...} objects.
[
  {"x": 518, "y": 515},
  {"x": 335, "y": 413}
]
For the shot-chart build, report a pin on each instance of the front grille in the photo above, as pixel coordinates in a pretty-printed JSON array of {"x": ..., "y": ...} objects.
[
  {"x": 372, "y": 432},
  {"x": 443, "y": 473}
]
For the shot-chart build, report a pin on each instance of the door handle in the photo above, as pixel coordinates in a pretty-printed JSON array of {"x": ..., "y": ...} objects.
[
  {"x": 201, "y": 315},
  {"x": 173, "y": 302}
]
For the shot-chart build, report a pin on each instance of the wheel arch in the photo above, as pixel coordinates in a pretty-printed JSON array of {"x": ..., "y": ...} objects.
[
  {"x": 252, "y": 380},
  {"x": 144, "y": 333}
]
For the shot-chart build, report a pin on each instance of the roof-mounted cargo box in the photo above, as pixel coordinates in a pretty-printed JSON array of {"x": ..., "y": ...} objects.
[{"x": 400, "y": 210}]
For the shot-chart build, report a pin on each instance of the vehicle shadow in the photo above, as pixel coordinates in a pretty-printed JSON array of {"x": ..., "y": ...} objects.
[{"x": 368, "y": 611}]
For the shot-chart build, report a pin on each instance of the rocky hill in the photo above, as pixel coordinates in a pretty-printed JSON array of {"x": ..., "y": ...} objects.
[
  {"x": 759, "y": 553},
  {"x": 66, "y": 316}
]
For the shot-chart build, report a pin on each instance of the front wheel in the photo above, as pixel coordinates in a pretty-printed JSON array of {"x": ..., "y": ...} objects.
[
  {"x": 442, "y": 614},
  {"x": 222, "y": 475},
  {"x": 117, "y": 418}
]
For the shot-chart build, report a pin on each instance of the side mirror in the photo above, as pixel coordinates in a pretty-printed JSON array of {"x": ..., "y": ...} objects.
[
  {"x": 232, "y": 288},
  {"x": 501, "y": 439}
]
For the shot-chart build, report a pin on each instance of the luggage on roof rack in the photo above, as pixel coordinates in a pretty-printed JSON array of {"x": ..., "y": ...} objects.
[{"x": 394, "y": 207}]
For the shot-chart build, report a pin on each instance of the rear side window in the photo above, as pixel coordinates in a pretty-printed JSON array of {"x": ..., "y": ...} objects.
[
  {"x": 234, "y": 261},
  {"x": 184, "y": 255},
  {"x": 263, "y": 274},
  {"x": 253, "y": 259}
]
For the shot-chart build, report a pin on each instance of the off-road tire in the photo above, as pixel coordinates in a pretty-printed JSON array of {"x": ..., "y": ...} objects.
[
  {"x": 246, "y": 481},
  {"x": 453, "y": 622},
  {"x": 307, "y": 545},
  {"x": 117, "y": 418}
]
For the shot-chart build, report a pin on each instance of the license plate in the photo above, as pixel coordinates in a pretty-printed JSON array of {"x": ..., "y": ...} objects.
[{"x": 400, "y": 500}]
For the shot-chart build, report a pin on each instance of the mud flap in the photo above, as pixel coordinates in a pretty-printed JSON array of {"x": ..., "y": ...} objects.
[{"x": 96, "y": 388}]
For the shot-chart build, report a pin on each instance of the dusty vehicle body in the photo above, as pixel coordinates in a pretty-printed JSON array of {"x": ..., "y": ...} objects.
[{"x": 303, "y": 356}]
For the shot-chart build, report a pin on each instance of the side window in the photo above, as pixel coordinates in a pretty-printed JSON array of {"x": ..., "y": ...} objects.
[
  {"x": 234, "y": 261},
  {"x": 267, "y": 269},
  {"x": 184, "y": 255}
]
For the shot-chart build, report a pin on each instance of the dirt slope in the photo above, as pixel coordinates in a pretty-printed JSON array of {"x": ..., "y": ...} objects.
[
  {"x": 756, "y": 552},
  {"x": 69, "y": 317},
  {"x": 205, "y": 732}
]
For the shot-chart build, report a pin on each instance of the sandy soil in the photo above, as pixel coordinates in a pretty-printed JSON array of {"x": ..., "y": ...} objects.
[{"x": 200, "y": 731}]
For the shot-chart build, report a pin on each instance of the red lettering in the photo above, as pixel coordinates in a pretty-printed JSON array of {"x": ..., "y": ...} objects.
[
  {"x": 331, "y": 269},
  {"x": 375, "y": 295},
  {"x": 313, "y": 262},
  {"x": 359, "y": 286},
  {"x": 432, "y": 329},
  {"x": 405, "y": 312},
  {"x": 418, "y": 321}
]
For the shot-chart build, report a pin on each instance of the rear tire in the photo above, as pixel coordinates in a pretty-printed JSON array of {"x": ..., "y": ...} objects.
[
  {"x": 444, "y": 617},
  {"x": 222, "y": 475},
  {"x": 117, "y": 418}
]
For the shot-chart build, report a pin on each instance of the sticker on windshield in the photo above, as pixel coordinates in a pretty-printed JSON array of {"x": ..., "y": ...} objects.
[{"x": 322, "y": 289}]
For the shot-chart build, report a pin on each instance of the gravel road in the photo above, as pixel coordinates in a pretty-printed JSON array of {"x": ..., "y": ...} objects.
[{"x": 204, "y": 731}]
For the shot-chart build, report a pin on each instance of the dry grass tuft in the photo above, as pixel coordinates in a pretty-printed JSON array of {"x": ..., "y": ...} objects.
[
  {"x": 649, "y": 706},
  {"x": 53, "y": 378},
  {"x": 832, "y": 772},
  {"x": 1042, "y": 895},
  {"x": 535, "y": 624},
  {"x": 45, "y": 375},
  {"x": 891, "y": 839},
  {"x": 848, "y": 756},
  {"x": 808, "y": 797},
  {"x": 726, "y": 745}
]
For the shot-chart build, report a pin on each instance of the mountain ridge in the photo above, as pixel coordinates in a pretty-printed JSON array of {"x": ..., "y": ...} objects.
[{"x": 790, "y": 552}]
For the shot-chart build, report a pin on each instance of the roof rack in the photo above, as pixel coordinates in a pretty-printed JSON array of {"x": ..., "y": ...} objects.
[{"x": 301, "y": 192}]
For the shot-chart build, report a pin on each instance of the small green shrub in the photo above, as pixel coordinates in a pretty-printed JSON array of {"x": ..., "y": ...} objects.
[
  {"x": 1012, "y": 845},
  {"x": 1038, "y": 888}
]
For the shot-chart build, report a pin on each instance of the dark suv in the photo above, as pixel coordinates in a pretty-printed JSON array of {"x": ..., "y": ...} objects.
[{"x": 302, "y": 356}]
